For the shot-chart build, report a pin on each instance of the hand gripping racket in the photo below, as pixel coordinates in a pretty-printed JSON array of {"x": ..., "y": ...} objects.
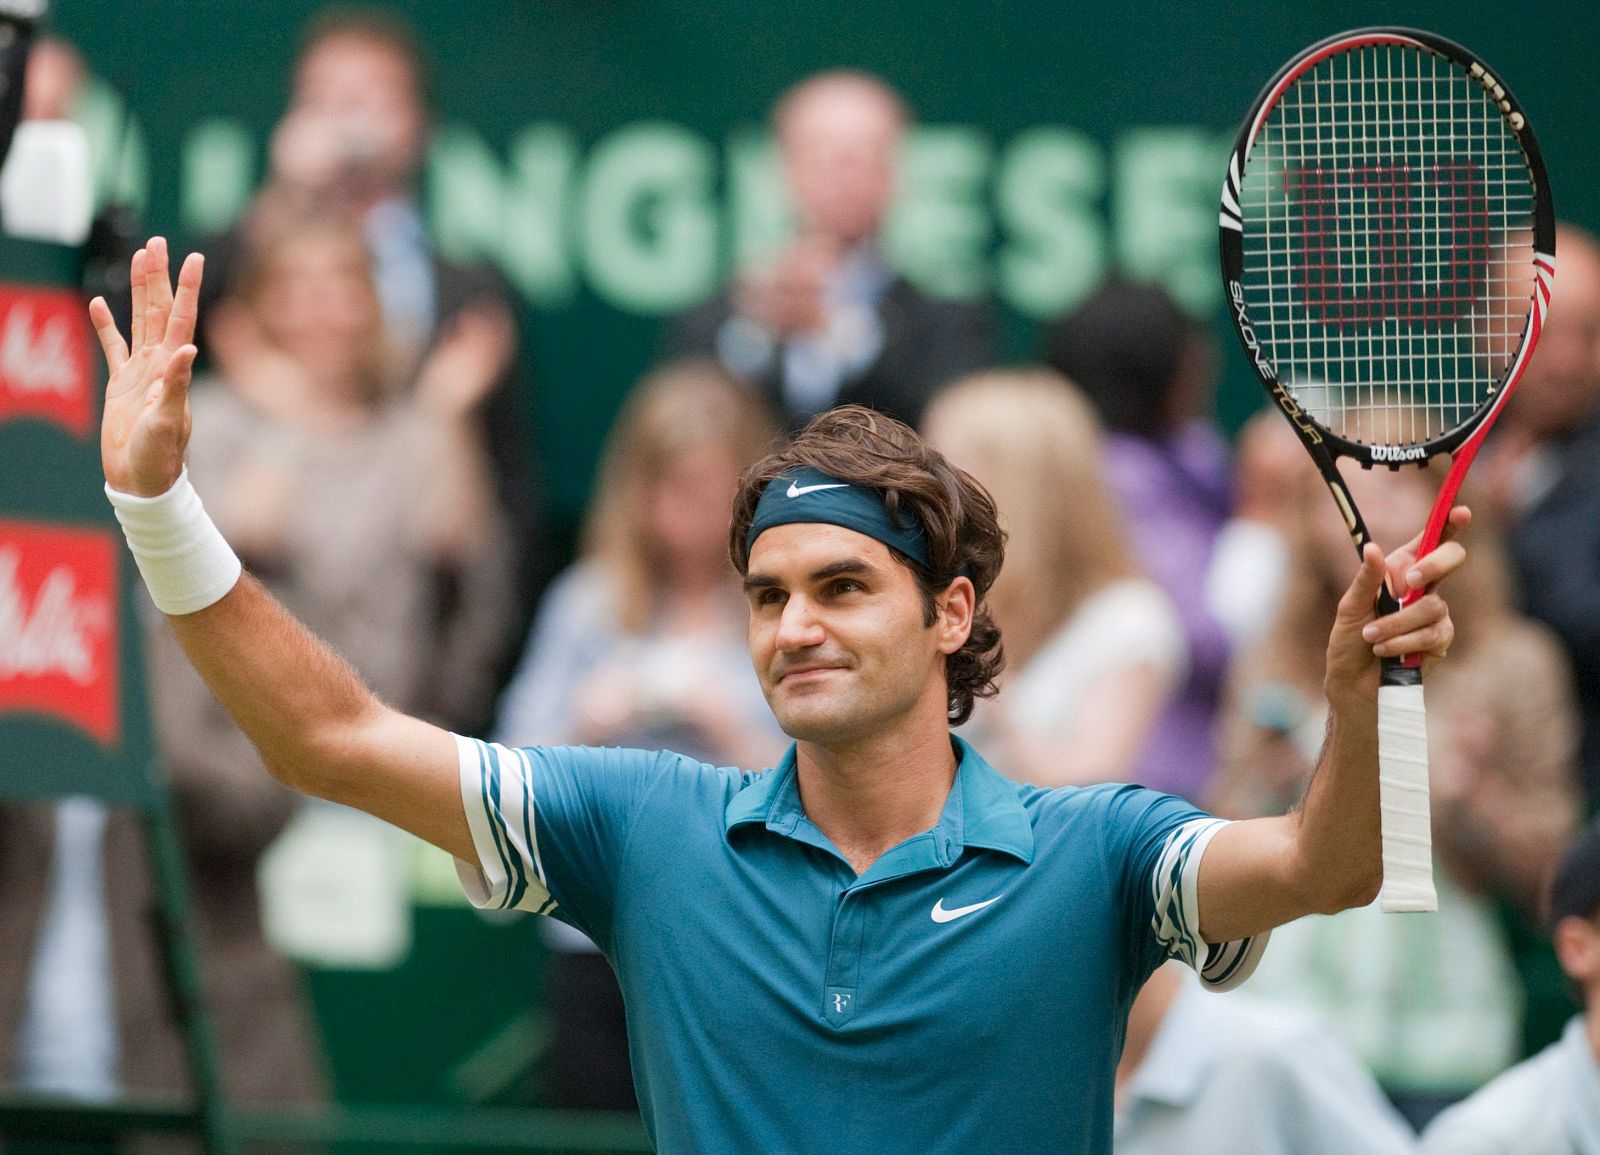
[{"x": 1388, "y": 252}]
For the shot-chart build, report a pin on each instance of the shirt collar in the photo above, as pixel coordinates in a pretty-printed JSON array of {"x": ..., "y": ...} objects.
[{"x": 982, "y": 810}]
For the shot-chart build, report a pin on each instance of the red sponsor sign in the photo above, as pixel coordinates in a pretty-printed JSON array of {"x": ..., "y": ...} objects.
[
  {"x": 58, "y": 626},
  {"x": 45, "y": 369}
]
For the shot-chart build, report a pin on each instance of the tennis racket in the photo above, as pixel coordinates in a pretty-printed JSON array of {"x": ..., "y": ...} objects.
[{"x": 1388, "y": 252}]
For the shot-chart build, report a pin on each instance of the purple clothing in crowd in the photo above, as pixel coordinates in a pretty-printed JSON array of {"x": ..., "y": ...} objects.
[{"x": 1176, "y": 496}]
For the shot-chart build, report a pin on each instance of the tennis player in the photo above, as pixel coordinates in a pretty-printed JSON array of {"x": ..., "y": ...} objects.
[{"x": 881, "y": 945}]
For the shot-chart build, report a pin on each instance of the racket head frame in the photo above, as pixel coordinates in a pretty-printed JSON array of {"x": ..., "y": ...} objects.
[{"x": 1324, "y": 445}]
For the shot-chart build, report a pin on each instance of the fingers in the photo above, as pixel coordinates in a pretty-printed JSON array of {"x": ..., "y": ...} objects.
[
  {"x": 1391, "y": 631},
  {"x": 1434, "y": 568},
  {"x": 175, "y": 381},
  {"x": 1458, "y": 519},
  {"x": 136, "y": 283},
  {"x": 1356, "y": 603},
  {"x": 1408, "y": 573},
  {"x": 158, "y": 291},
  {"x": 1455, "y": 521},
  {"x": 186, "y": 305},
  {"x": 105, "y": 327},
  {"x": 1433, "y": 640}
]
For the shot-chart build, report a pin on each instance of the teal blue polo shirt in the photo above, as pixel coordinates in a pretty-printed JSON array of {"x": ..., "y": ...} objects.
[{"x": 968, "y": 993}]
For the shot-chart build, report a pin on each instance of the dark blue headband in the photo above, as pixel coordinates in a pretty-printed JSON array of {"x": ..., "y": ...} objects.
[{"x": 804, "y": 494}]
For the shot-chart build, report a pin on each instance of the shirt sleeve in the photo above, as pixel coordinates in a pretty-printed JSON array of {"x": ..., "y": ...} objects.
[
  {"x": 549, "y": 827},
  {"x": 1156, "y": 843}
]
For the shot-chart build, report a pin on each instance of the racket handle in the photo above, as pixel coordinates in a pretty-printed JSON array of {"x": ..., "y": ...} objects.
[{"x": 1403, "y": 794}]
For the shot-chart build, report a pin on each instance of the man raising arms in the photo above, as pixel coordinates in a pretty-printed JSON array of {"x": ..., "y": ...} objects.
[{"x": 882, "y": 944}]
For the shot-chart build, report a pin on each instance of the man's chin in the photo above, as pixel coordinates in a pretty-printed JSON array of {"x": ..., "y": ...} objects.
[{"x": 812, "y": 720}]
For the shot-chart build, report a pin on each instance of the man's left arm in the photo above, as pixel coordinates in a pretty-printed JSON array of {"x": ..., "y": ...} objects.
[{"x": 1328, "y": 855}]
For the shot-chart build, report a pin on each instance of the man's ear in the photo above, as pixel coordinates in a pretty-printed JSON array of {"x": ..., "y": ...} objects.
[
  {"x": 1577, "y": 943},
  {"x": 955, "y": 608}
]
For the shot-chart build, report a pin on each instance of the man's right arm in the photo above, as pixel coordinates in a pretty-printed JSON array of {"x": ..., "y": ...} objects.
[{"x": 317, "y": 727}]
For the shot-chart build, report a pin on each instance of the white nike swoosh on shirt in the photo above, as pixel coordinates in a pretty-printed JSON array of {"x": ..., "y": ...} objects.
[
  {"x": 796, "y": 490},
  {"x": 940, "y": 914}
]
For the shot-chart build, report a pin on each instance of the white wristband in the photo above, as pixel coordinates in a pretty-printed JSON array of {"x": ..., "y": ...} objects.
[{"x": 181, "y": 554}]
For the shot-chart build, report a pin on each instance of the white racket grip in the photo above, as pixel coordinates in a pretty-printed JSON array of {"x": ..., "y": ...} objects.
[{"x": 1403, "y": 801}]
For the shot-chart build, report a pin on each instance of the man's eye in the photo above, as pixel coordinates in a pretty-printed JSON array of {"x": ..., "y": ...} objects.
[
  {"x": 846, "y": 586},
  {"x": 769, "y": 597}
]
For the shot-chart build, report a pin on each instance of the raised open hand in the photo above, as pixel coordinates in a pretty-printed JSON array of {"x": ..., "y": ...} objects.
[
  {"x": 145, "y": 427},
  {"x": 459, "y": 373}
]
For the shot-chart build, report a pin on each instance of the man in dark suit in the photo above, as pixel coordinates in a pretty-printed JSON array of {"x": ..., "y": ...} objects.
[
  {"x": 1543, "y": 474},
  {"x": 828, "y": 322}
]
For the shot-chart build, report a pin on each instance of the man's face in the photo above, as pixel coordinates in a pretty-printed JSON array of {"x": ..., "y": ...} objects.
[
  {"x": 1560, "y": 389},
  {"x": 362, "y": 92},
  {"x": 839, "y": 146},
  {"x": 52, "y": 82},
  {"x": 838, "y": 637}
]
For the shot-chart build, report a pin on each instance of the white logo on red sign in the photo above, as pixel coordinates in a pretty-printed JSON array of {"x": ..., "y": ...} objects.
[
  {"x": 45, "y": 358},
  {"x": 34, "y": 357},
  {"x": 58, "y": 625},
  {"x": 55, "y": 636}
]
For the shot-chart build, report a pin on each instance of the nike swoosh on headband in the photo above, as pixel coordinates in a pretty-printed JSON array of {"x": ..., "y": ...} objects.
[{"x": 795, "y": 490}]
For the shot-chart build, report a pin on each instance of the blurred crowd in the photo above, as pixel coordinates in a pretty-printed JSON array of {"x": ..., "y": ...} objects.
[{"x": 361, "y": 439}]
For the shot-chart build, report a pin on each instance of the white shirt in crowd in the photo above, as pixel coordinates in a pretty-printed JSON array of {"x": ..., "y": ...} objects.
[
  {"x": 1236, "y": 1074},
  {"x": 1548, "y": 1105},
  {"x": 1125, "y": 623}
]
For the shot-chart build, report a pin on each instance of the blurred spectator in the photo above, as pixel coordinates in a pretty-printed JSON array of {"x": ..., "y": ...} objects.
[
  {"x": 354, "y": 138},
  {"x": 1149, "y": 370},
  {"x": 59, "y": 86},
  {"x": 348, "y": 506},
  {"x": 1093, "y": 648},
  {"x": 1431, "y": 1005},
  {"x": 1542, "y": 472},
  {"x": 828, "y": 322},
  {"x": 309, "y": 420},
  {"x": 642, "y": 644},
  {"x": 54, "y": 78},
  {"x": 1549, "y": 1105},
  {"x": 1207, "y": 1075}
]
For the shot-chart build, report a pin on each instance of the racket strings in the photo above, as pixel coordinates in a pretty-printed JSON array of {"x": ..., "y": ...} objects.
[{"x": 1387, "y": 213}]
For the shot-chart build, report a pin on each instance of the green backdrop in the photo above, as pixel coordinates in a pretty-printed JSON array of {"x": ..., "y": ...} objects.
[{"x": 610, "y": 154}]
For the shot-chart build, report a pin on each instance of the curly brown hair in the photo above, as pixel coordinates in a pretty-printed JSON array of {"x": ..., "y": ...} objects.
[{"x": 865, "y": 448}]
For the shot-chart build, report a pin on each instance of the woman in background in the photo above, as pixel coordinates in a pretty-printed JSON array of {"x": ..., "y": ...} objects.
[
  {"x": 1433, "y": 1005},
  {"x": 1149, "y": 370},
  {"x": 357, "y": 511},
  {"x": 642, "y": 643},
  {"x": 1094, "y": 649}
]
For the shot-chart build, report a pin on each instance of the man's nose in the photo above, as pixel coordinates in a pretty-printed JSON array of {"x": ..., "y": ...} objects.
[{"x": 799, "y": 628}]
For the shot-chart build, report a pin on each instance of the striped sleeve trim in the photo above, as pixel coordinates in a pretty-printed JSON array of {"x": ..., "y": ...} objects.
[
  {"x": 496, "y": 790},
  {"x": 1176, "y": 887}
]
